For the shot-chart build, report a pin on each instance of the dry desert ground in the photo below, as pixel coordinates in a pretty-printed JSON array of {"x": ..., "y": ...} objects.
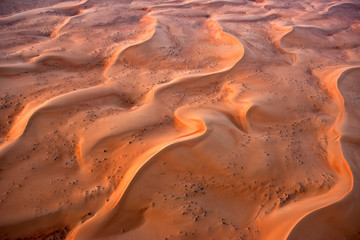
[{"x": 194, "y": 119}]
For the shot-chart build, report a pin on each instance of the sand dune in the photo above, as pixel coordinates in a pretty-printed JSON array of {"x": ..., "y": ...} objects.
[{"x": 179, "y": 119}]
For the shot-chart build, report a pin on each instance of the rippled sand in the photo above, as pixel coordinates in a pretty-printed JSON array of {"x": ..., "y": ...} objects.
[{"x": 179, "y": 119}]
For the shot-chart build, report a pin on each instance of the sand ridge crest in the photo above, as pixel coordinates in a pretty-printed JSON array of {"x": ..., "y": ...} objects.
[{"x": 179, "y": 120}]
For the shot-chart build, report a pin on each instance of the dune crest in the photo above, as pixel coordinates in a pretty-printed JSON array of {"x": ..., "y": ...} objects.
[{"x": 179, "y": 120}]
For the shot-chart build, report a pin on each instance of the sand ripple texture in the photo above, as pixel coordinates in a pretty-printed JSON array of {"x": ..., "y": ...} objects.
[{"x": 195, "y": 119}]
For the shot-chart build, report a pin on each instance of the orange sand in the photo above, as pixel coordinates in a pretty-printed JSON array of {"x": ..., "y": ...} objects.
[{"x": 179, "y": 119}]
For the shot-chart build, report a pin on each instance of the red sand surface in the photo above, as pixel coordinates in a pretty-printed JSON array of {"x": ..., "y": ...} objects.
[{"x": 201, "y": 119}]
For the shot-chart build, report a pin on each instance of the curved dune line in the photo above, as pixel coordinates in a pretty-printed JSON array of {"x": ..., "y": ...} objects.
[
  {"x": 56, "y": 31},
  {"x": 189, "y": 77},
  {"x": 155, "y": 92},
  {"x": 190, "y": 3},
  {"x": 278, "y": 40},
  {"x": 153, "y": 97},
  {"x": 237, "y": 114},
  {"x": 328, "y": 8},
  {"x": 78, "y": 153},
  {"x": 32, "y": 63},
  {"x": 92, "y": 226},
  {"x": 351, "y": 195},
  {"x": 12, "y": 69},
  {"x": 68, "y": 99},
  {"x": 81, "y": 95},
  {"x": 248, "y": 18},
  {"x": 21, "y": 15},
  {"x": 51, "y": 56},
  {"x": 219, "y": 33},
  {"x": 73, "y": 61},
  {"x": 146, "y": 37},
  {"x": 274, "y": 225},
  {"x": 112, "y": 60},
  {"x": 215, "y": 2},
  {"x": 334, "y": 89},
  {"x": 235, "y": 110},
  {"x": 242, "y": 108},
  {"x": 312, "y": 32}
]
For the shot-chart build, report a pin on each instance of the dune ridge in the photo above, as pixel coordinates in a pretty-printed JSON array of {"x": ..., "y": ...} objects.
[
  {"x": 94, "y": 225},
  {"x": 336, "y": 159},
  {"x": 169, "y": 120},
  {"x": 350, "y": 162}
]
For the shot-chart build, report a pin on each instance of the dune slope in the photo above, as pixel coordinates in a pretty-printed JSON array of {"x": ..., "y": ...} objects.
[{"x": 179, "y": 119}]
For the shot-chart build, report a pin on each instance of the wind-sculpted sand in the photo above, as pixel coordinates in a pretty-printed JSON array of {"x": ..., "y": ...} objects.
[{"x": 179, "y": 119}]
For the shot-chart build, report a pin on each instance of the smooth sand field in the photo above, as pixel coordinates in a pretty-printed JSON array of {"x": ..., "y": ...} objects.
[{"x": 195, "y": 119}]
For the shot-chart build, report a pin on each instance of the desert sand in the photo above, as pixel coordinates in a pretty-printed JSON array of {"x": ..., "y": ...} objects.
[{"x": 195, "y": 119}]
